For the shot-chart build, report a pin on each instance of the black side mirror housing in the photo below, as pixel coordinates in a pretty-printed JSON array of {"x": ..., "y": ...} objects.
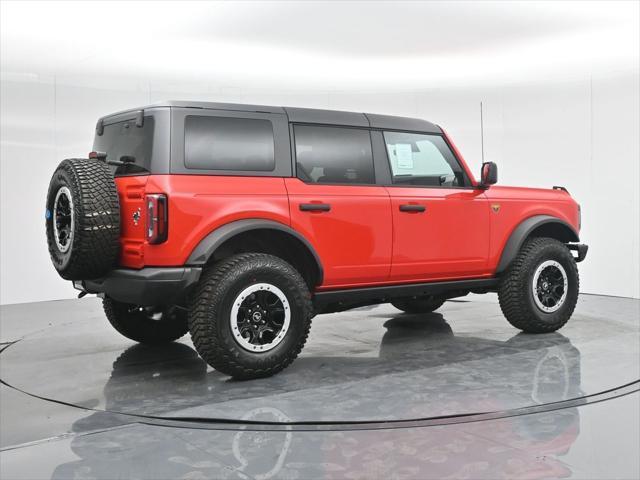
[{"x": 489, "y": 174}]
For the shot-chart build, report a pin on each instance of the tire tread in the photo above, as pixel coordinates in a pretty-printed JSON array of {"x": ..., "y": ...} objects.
[
  {"x": 513, "y": 291},
  {"x": 220, "y": 352},
  {"x": 96, "y": 242}
]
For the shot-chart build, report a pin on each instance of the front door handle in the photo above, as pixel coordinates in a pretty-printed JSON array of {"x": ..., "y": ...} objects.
[
  {"x": 412, "y": 208},
  {"x": 315, "y": 207}
]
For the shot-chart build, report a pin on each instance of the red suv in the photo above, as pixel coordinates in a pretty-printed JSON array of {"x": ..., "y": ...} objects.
[{"x": 239, "y": 223}]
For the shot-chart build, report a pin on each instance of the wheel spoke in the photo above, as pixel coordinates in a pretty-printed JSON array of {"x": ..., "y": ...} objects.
[
  {"x": 277, "y": 320},
  {"x": 264, "y": 297},
  {"x": 272, "y": 301},
  {"x": 557, "y": 290},
  {"x": 244, "y": 322},
  {"x": 266, "y": 334},
  {"x": 251, "y": 300},
  {"x": 247, "y": 334}
]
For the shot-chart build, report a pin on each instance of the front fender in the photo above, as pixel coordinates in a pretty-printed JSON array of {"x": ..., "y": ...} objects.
[{"x": 525, "y": 229}]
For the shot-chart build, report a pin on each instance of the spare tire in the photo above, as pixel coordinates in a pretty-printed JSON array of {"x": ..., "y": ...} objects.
[{"x": 83, "y": 219}]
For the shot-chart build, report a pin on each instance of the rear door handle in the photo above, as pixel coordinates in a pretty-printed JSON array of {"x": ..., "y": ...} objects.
[
  {"x": 412, "y": 208},
  {"x": 315, "y": 207}
]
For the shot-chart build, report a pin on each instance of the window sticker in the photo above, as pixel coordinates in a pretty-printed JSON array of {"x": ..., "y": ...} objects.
[{"x": 404, "y": 155}]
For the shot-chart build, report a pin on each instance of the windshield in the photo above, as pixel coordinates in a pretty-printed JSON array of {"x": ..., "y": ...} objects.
[{"x": 124, "y": 139}]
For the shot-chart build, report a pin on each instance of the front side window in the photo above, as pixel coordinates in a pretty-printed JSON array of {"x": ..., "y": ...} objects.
[
  {"x": 421, "y": 159},
  {"x": 333, "y": 155},
  {"x": 224, "y": 143}
]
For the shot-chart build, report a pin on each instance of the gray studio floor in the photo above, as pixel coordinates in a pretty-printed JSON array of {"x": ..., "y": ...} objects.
[{"x": 375, "y": 394}]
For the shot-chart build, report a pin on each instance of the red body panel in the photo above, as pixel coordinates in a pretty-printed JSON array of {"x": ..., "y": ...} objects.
[
  {"x": 517, "y": 204},
  {"x": 353, "y": 239},
  {"x": 200, "y": 204},
  {"x": 363, "y": 240},
  {"x": 131, "y": 192},
  {"x": 450, "y": 239}
]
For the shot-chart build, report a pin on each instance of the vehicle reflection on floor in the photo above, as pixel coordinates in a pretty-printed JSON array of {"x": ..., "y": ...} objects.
[{"x": 545, "y": 368}]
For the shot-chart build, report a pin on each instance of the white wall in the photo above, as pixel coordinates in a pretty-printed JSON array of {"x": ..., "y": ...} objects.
[
  {"x": 558, "y": 80},
  {"x": 580, "y": 134}
]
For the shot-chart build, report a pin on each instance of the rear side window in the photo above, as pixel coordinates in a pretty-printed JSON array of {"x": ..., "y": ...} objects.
[
  {"x": 124, "y": 139},
  {"x": 223, "y": 143},
  {"x": 333, "y": 155},
  {"x": 421, "y": 159}
]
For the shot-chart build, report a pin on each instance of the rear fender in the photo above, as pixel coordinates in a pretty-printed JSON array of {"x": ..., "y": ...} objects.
[{"x": 209, "y": 244}]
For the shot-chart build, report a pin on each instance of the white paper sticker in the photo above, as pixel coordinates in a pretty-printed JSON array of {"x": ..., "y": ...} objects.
[{"x": 404, "y": 155}]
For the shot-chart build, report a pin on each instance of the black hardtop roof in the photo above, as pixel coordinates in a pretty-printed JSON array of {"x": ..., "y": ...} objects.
[{"x": 307, "y": 115}]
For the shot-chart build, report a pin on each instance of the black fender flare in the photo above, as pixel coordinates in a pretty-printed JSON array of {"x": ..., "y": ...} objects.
[
  {"x": 522, "y": 232},
  {"x": 208, "y": 245}
]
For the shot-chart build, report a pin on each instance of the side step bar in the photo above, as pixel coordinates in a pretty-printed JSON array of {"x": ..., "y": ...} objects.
[{"x": 339, "y": 300}]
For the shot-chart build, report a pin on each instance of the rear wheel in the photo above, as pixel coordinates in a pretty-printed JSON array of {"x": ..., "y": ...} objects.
[
  {"x": 419, "y": 305},
  {"x": 150, "y": 325},
  {"x": 539, "y": 291},
  {"x": 250, "y": 315}
]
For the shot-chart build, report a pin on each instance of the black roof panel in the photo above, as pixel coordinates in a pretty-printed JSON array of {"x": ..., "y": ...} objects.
[
  {"x": 309, "y": 115},
  {"x": 328, "y": 117},
  {"x": 402, "y": 123}
]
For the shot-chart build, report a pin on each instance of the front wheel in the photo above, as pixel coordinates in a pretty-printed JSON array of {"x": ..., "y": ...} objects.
[
  {"x": 250, "y": 315},
  {"x": 539, "y": 291},
  {"x": 150, "y": 325}
]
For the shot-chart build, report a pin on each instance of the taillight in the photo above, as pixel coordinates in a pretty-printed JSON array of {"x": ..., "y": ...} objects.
[{"x": 157, "y": 217}]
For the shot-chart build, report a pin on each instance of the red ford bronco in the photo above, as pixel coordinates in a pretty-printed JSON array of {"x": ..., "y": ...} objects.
[{"x": 239, "y": 223}]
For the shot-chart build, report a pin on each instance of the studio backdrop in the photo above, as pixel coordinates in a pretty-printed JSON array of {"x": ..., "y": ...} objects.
[{"x": 561, "y": 103}]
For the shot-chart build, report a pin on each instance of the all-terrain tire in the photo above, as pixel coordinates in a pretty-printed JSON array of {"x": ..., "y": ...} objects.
[
  {"x": 210, "y": 314},
  {"x": 419, "y": 305},
  {"x": 516, "y": 294},
  {"x": 91, "y": 241},
  {"x": 146, "y": 325}
]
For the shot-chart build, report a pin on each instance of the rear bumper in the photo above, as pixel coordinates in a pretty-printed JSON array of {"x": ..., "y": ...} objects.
[
  {"x": 148, "y": 286},
  {"x": 581, "y": 250}
]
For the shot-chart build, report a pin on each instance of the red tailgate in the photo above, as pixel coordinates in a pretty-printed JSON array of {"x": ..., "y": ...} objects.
[{"x": 132, "y": 220}]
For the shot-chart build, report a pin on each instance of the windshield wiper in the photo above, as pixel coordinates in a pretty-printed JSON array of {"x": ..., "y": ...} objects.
[
  {"x": 125, "y": 163},
  {"x": 124, "y": 160}
]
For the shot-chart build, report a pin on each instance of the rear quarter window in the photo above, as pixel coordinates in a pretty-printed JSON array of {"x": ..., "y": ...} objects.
[{"x": 224, "y": 143}]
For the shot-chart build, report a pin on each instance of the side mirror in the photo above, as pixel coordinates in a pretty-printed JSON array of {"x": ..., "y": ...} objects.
[{"x": 489, "y": 174}]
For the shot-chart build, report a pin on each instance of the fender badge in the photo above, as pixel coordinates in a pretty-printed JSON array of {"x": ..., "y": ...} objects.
[
  {"x": 495, "y": 207},
  {"x": 136, "y": 217}
]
